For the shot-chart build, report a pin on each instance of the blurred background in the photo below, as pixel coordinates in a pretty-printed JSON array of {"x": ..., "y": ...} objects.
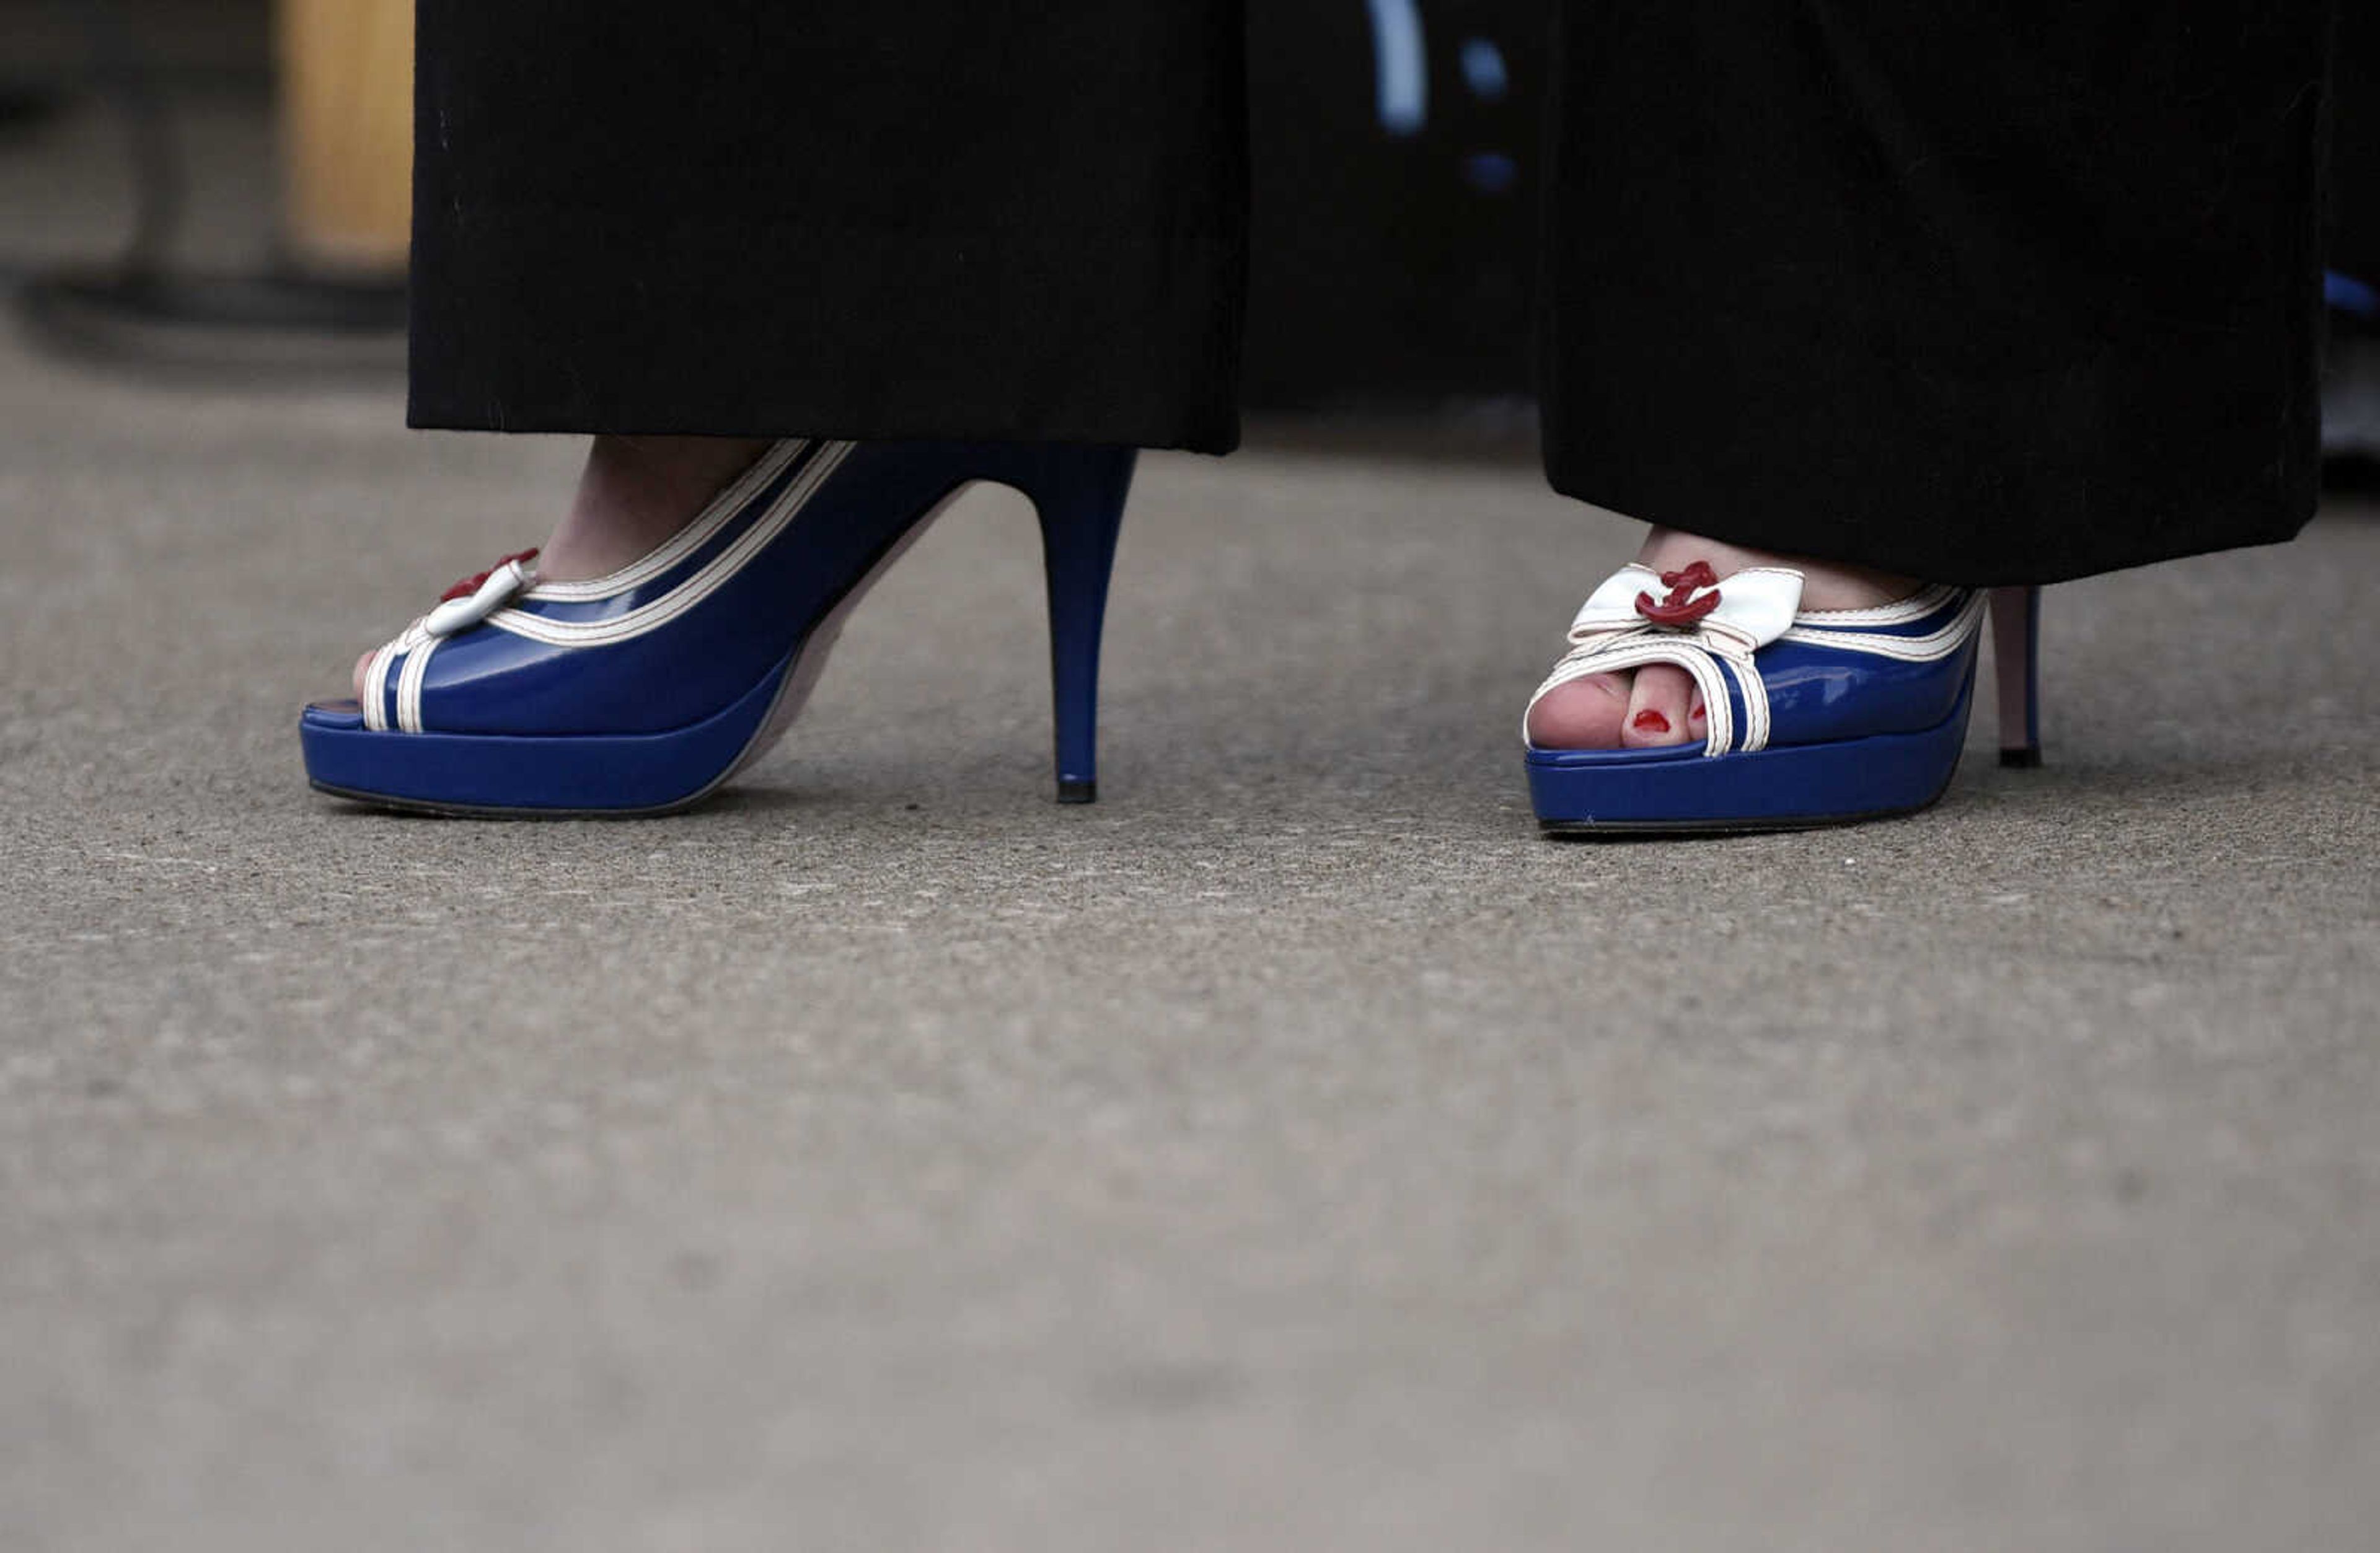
[
  {"x": 1291, "y": 1150},
  {"x": 223, "y": 184}
]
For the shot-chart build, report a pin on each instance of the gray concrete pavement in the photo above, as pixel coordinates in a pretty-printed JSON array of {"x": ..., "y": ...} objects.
[{"x": 1292, "y": 1151}]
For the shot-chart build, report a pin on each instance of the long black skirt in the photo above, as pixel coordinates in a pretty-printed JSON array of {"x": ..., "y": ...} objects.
[{"x": 1976, "y": 291}]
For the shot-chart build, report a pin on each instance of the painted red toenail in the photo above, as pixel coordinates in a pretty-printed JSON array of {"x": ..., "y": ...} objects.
[
  {"x": 1698, "y": 714},
  {"x": 1650, "y": 722}
]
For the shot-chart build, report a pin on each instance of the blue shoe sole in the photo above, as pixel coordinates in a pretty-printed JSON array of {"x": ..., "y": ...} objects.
[
  {"x": 1680, "y": 791},
  {"x": 511, "y": 776}
]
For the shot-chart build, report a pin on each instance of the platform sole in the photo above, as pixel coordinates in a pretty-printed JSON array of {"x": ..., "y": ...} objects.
[
  {"x": 1621, "y": 793},
  {"x": 519, "y": 776}
]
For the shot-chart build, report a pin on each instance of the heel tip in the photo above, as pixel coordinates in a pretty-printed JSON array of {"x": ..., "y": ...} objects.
[
  {"x": 2021, "y": 760},
  {"x": 1078, "y": 791}
]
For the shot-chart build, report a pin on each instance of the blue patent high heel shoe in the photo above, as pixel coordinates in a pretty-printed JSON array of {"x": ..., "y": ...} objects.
[
  {"x": 1814, "y": 717},
  {"x": 641, "y": 692}
]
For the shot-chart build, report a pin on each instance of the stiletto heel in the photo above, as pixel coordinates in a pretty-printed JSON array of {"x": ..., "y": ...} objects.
[
  {"x": 2016, "y": 661},
  {"x": 643, "y": 691},
  {"x": 1080, "y": 501}
]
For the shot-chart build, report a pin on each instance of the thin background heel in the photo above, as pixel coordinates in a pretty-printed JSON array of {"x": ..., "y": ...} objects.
[
  {"x": 2016, "y": 658},
  {"x": 1079, "y": 495}
]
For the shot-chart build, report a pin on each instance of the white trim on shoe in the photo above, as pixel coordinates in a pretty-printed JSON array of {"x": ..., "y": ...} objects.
[
  {"x": 688, "y": 594},
  {"x": 376, "y": 675},
  {"x": 407, "y": 654},
  {"x": 1937, "y": 644},
  {"x": 1726, "y": 621},
  {"x": 1754, "y": 607},
  {"x": 687, "y": 541},
  {"x": 408, "y": 685},
  {"x": 376, "y": 687}
]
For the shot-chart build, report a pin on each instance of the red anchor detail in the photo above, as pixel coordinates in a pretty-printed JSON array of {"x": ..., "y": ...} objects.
[
  {"x": 469, "y": 586},
  {"x": 1681, "y": 608}
]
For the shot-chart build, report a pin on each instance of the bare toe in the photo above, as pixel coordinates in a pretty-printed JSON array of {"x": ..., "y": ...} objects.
[
  {"x": 1658, "y": 707},
  {"x": 1584, "y": 714},
  {"x": 363, "y": 667}
]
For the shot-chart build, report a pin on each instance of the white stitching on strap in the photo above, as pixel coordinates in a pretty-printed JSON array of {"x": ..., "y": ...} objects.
[
  {"x": 376, "y": 676},
  {"x": 677, "y": 601},
  {"x": 376, "y": 684},
  {"x": 1910, "y": 650},
  {"x": 1917, "y": 606},
  {"x": 1754, "y": 691},
  {"x": 723, "y": 508},
  {"x": 408, "y": 685}
]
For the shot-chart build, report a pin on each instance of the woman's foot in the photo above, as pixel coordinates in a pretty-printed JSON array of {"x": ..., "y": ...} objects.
[
  {"x": 1658, "y": 704},
  {"x": 634, "y": 494}
]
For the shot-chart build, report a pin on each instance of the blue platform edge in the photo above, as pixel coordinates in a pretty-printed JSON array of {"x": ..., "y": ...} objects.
[
  {"x": 1680, "y": 788},
  {"x": 554, "y": 774}
]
